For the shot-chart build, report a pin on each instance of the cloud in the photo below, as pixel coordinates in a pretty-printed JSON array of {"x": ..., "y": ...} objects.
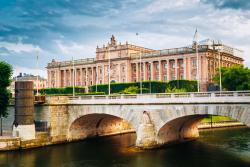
[
  {"x": 67, "y": 28},
  {"x": 19, "y": 47},
  {"x": 73, "y": 49},
  {"x": 229, "y": 4},
  {"x": 164, "y": 5}
]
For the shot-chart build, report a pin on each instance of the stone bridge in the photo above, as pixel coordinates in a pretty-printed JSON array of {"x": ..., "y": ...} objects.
[{"x": 156, "y": 119}]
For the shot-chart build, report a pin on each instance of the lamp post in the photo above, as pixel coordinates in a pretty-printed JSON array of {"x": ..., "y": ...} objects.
[
  {"x": 96, "y": 77},
  {"x": 73, "y": 64},
  {"x": 37, "y": 73},
  {"x": 195, "y": 41},
  {"x": 109, "y": 69},
  {"x": 219, "y": 50},
  {"x": 140, "y": 73},
  {"x": 220, "y": 69}
]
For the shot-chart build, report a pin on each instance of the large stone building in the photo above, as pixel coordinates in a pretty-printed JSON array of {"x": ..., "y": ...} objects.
[{"x": 158, "y": 65}]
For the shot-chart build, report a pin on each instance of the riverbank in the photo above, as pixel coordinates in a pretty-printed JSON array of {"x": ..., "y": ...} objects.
[
  {"x": 214, "y": 125},
  {"x": 8, "y": 143}
]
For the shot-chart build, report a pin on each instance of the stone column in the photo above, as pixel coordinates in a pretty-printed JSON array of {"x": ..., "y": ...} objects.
[
  {"x": 144, "y": 71},
  {"x": 176, "y": 69},
  {"x": 152, "y": 71},
  {"x": 160, "y": 70},
  {"x": 103, "y": 71},
  {"x": 64, "y": 78},
  {"x": 119, "y": 72},
  {"x": 127, "y": 70},
  {"x": 137, "y": 72},
  {"x": 80, "y": 76},
  {"x": 70, "y": 77},
  {"x": 168, "y": 70},
  {"x": 189, "y": 68},
  {"x": 92, "y": 72},
  {"x": 184, "y": 68},
  {"x": 97, "y": 75},
  {"x": 86, "y": 76},
  {"x": 56, "y": 78},
  {"x": 49, "y": 78}
]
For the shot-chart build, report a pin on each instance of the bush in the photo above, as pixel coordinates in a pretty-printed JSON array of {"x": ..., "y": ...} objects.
[
  {"x": 175, "y": 90},
  {"x": 62, "y": 91},
  {"x": 133, "y": 90},
  {"x": 187, "y": 85},
  {"x": 147, "y": 86},
  {"x": 92, "y": 93}
]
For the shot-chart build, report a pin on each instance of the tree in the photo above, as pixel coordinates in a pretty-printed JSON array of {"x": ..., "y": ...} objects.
[
  {"x": 234, "y": 78},
  {"x": 5, "y": 80}
]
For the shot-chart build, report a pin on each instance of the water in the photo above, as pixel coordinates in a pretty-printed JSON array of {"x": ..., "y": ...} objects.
[{"x": 222, "y": 148}]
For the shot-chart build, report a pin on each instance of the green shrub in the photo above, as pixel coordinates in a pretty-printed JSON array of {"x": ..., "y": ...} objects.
[
  {"x": 175, "y": 90},
  {"x": 187, "y": 85},
  {"x": 147, "y": 86},
  {"x": 62, "y": 91}
]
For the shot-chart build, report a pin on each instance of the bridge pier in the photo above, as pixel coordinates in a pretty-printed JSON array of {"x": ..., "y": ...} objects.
[{"x": 146, "y": 136}]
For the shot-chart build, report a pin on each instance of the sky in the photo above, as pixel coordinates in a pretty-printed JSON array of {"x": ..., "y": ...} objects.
[{"x": 62, "y": 29}]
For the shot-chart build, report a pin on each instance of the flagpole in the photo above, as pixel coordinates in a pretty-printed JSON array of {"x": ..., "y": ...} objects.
[
  {"x": 109, "y": 68},
  {"x": 37, "y": 73},
  {"x": 220, "y": 69},
  {"x": 197, "y": 60},
  {"x": 73, "y": 63},
  {"x": 137, "y": 34},
  {"x": 96, "y": 77}
]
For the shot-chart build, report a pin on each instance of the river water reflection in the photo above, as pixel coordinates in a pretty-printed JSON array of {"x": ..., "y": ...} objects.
[{"x": 222, "y": 148}]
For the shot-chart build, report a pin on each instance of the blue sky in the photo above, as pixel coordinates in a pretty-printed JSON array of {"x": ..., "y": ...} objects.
[{"x": 60, "y": 29}]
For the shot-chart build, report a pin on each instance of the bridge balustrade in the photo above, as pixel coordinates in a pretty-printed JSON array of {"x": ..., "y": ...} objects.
[{"x": 171, "y": 96}]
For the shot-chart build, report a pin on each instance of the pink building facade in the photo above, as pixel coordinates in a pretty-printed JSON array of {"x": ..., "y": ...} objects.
[{"x": 155, "y": 65}]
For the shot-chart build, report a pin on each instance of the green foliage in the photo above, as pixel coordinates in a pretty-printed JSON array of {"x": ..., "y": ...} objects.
[
  {"x": 148, "y": 86},
  {"x": 4, "y": 101},
  {"x": 234, "y": 78},
  {"x": 175, "y": 90},
  {"x": 62, "y": 91},
  {"x": 133, "y": 90},
  {"x": 5, "y": 74},
  {"x": 77, "y": 94},
  {"x": 182, "y": 86},
  {"x": 93, "y": 93},
  {"x": 216, "y": 118},
  {"x": 5, "y": 80}
]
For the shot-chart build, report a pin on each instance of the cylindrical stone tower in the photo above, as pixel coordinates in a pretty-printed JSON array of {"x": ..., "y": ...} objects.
[{"x": 23, "y": 125}]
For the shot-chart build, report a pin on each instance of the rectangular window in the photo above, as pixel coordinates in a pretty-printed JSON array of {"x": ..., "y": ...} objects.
[
  {"x": 134, "y": 68},
  {"x": 181, "y": 64},
  {"x": 194, "y": 62},
  {"x": 165, "y": 77},
  {"x": 166, "y": 66}
]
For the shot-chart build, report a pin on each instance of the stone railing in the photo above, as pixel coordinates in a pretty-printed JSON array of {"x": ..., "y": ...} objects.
[
  {"x": 190, "y": 97},
  {"x": 167, "y": 95}
]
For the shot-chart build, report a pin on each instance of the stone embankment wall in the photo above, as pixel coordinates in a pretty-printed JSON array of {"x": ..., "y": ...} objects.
[{"x": 15, "y": 143}]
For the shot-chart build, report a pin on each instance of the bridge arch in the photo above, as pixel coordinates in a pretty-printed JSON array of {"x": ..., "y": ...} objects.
[
  {"x": 183, "y": 124},
  {"x": 91, "y": 121}
]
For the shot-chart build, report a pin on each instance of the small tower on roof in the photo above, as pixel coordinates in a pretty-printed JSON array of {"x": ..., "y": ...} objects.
[{"x": 112, "y": 40}]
